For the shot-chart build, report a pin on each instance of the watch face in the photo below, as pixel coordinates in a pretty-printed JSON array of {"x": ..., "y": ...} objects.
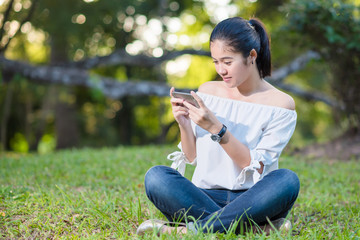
[
  {"x": 218, "y": 137},
  {"x": 215, "y": 138}
]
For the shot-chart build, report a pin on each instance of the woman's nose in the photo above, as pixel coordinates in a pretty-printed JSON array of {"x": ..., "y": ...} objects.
[{"x": 222, "y": 70}]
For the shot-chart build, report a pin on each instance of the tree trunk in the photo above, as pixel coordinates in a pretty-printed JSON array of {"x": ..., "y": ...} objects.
[
  {"x": 67, "y": 132},
  {"x": 126, "y": 120},
  {"x": 65, "y": 124},
  {"x": 28, "y": 112},
  {"x": 5, "y": 116}
]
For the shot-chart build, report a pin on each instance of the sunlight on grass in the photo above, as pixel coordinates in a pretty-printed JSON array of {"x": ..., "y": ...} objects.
[{"x": 99, "y": 194}]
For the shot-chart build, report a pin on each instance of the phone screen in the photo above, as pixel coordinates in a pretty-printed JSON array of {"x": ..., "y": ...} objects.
[{"x": 187, "y": 97}]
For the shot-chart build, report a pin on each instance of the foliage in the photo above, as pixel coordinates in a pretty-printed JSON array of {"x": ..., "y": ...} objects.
[
  {"x": 332, "y": 28},
  {"x": 99, "y": 194},
  {"x": 66, "y": 31},
  {"x": 61, "y": 32}
]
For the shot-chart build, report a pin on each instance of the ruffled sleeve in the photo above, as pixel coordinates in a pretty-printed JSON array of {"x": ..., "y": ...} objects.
[
  {"x": 274, "y": 138},
  {"x": 179, "y": 160}
]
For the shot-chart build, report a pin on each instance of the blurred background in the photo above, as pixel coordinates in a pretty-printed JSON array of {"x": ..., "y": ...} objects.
[{"x": 96, "y": 73}]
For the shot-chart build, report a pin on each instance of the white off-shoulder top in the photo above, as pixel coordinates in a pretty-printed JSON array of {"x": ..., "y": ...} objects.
[{"x": 264, "y": 129}]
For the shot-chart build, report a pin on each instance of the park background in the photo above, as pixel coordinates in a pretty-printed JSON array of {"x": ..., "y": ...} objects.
[{"x": 86, "y": 78}]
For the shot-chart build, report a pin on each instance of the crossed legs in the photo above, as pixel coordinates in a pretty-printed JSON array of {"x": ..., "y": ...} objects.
[{"x": 216, "y": 210}]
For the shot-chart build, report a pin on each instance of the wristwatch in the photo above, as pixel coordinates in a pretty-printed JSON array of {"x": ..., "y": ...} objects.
[{"x": 219, "y": 136}]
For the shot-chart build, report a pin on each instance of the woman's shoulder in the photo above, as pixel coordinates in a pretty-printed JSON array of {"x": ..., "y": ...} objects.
[
  {"x": 278, "y": 98},
  {"x": 270, "y": 96}
]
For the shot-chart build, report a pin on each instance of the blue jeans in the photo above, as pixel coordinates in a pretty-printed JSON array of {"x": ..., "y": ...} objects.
[{"x": 216, "y": 210}]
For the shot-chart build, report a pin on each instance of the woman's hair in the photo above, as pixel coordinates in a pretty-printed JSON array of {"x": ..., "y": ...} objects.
[{"x": 243, "y": 36}]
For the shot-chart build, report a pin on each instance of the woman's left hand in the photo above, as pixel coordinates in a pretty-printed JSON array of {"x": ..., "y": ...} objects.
[{"x": 202, "y": 116}]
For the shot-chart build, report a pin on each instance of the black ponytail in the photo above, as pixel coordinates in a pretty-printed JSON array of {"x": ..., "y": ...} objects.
[
  {"x": 243, "y": 36},
  {"x": 263, "y": 60}
]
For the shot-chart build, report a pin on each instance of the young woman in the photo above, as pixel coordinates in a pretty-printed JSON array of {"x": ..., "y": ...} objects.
[{"x": 235, "y": 138}]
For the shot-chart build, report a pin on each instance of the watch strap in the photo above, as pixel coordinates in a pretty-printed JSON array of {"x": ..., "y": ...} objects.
[{"x": 222, "y": 131}]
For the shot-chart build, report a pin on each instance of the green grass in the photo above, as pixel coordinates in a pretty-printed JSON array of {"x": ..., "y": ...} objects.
[{"x": 99, "y": 194}]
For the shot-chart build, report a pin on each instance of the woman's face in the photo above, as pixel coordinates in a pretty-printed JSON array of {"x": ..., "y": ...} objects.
[{"x": 231, "y": 66}]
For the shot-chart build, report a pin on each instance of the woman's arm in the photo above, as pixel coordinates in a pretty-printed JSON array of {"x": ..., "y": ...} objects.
[
  {"x": 237, "y": 151},
  {"x": 188, "y": 143},
  {"x": 181, "y": 115}
]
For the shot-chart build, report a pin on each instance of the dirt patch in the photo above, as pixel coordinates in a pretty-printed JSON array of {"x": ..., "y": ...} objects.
[{"x": 343, "y": 148}]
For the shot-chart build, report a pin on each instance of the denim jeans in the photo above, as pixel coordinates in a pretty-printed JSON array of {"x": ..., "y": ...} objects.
[{"x": 216, "y": 210}]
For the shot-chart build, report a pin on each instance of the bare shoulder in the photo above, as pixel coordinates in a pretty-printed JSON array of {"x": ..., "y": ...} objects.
[
  {"x": 281, "y": 99},
  {"x": 269, "y": 96},
  {"x": 211, "y": 87}
]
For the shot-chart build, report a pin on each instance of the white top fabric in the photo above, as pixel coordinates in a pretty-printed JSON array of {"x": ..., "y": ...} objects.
[{"x": 264, "y": 129}]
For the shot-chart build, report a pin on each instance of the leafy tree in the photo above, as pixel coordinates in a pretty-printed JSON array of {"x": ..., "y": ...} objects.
[
  {"x": 75, "y": 35},
  {"x": 332, "y": 28},
  {"x": 105, "y": 65}
]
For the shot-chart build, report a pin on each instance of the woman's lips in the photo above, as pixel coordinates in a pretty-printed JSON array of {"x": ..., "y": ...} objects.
[{"x": 226, "y": 79}]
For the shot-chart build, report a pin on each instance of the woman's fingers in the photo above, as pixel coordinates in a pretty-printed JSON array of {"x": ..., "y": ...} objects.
[
  {"x": 176, "y": 101},
  {"x": 198, "y": 110},
  {"x": 202, "y": 116},
  {"x": 178, "y": 107},
  {"x": 171, "y": 91},
  {"x": 198, "y": 99}
]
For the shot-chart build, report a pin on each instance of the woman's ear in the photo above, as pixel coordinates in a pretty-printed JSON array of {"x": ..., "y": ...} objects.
[{"x": 253, "y": 55}]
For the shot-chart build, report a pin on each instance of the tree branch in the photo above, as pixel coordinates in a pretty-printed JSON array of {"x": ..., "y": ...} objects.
[
  {"x": 110, "y": 87},
  {"x": 113, "y": 88},
  {"x": 297, "y": 64}
]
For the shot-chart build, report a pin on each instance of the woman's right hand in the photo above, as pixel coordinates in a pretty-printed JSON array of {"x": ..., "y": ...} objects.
[
  {"x": 180, "y": 112},
  {"x": 181, "y": 115}
]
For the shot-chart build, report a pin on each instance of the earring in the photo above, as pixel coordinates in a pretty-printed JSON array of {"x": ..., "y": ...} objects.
[{"x": 252, "y": 62}]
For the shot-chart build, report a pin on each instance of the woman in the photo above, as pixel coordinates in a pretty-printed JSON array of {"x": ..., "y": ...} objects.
[{"x": 235, "y": 138}]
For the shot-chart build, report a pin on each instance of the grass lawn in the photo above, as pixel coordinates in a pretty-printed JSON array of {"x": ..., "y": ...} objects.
[{"x": 99, "y": 194}]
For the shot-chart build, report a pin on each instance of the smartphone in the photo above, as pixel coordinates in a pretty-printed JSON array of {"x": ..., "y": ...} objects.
[{"x": 187, "y": 97}]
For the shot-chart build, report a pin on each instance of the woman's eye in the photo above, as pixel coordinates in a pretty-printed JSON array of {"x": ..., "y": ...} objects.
[{"x": 227, "y": 63}]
